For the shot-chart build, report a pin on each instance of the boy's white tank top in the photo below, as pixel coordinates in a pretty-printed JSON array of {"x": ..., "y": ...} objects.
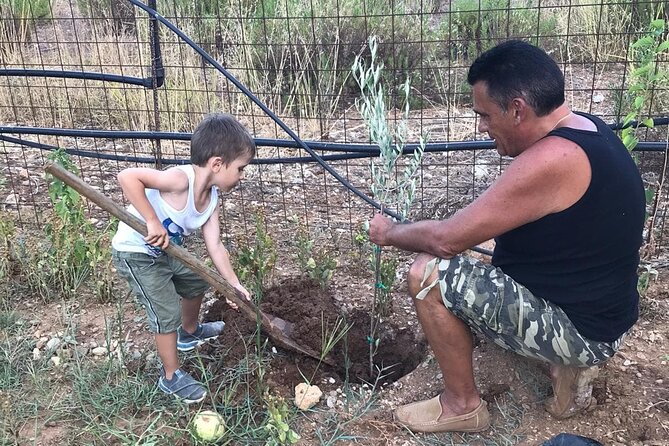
[{"x": 178, "y": 223}]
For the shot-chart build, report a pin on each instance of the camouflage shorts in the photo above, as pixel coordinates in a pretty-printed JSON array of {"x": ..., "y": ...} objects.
[{"x": 494, "y": 304}]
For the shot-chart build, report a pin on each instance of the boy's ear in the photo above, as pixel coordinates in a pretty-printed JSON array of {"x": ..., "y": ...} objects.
[{"x": 216, "y": 163}]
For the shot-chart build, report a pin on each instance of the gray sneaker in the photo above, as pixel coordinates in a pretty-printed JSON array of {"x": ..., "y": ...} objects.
[
  {"x": 182, "y": 386},
  {"x": 204, "y": 332}
]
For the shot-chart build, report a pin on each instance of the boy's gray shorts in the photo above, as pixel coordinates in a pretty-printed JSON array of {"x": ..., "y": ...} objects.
[
  {"x": 491, "y": 302},
  {"x": 159, "y": 283}
]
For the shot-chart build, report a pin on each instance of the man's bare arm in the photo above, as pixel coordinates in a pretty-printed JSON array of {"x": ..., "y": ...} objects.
[{"x": 548, "y": 178}]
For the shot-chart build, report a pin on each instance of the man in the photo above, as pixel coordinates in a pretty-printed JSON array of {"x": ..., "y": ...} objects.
[{"x": 567, "y": 216}]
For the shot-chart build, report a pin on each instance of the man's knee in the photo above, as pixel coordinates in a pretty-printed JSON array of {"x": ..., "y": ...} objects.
[{"x": 416, "y": 275}]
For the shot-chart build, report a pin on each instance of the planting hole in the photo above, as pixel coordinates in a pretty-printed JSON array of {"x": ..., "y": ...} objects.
[{"x": 310, "y": 308}]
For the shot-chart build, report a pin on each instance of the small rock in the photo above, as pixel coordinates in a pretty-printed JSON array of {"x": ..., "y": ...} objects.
[
  {"x": 36, "y": 354},
  {"x": 331, "y": 401},
  {"x": 55, "y": 360},
  {"x": 12, "y": 199},
  {"x": 99, "y": 351},
  {"x": 307, "y": 396},
  {"x": 53, "y": 343},
  {"x": 597, "y": 98},
  {"x": 331, "y": 380}
]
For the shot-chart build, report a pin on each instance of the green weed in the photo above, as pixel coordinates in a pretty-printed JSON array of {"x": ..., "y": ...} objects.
[
  {"x": 72, "y": 252},
  {"x": 254, "y": 260},
  {"x": 7, "y": 251},
  {"x": 645, "y": 74},
  {"x": 277, "y": 427},
  {"x": 317, "y": 262}
]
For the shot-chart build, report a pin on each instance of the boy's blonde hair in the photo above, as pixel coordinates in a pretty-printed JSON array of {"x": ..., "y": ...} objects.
[{"x": 219, "y": 134}]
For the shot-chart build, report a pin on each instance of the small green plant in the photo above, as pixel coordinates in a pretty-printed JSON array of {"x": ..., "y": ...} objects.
[
  {"x": 255, "y": 259},
  {"x": 318, "y": 263},
  {"x": 645, "y": 75},
  {"x": 73, "y": 253},
  {"x": 393, "y": 182},
  {"x": 279, "y": 431},
  {"x": 646, "y": 275},
  {"x": 7, "y": 250},
  {"x": 77, "y": 252}
]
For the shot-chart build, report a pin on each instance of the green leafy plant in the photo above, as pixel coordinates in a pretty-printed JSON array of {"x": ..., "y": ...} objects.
[
  {"x": 645, "y": 75},
  {"x": 277, "y": 427},
  {"x": 646, "y": 275},
  {"x": 77, "y": 250},
  {"x": 317, "y": 262},
  {"x": 393, "y": 182},
  {"x": 7, "y": 250},
  {"x": 255, "y": 259},
  {"x": 73, "y": 253}
]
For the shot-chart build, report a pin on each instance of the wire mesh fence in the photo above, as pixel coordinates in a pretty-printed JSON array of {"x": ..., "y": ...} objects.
[{"x": 74, "y": 68}]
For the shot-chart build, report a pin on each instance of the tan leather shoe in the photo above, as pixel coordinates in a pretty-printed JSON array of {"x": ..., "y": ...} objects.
[
  {"x": 423, "y": 416},
  {"x": 572, "y": 390}
]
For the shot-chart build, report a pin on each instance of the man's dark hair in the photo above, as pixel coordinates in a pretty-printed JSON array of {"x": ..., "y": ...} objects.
[
  {"x": 516, "y": 69},
  {"x": 219, "y": 134}
]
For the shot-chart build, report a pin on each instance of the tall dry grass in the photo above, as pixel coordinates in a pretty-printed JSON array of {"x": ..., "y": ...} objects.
[{"x": 295, "y": 58}]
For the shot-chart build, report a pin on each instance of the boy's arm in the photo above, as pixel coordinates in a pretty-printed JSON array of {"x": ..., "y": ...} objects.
[
  {"x": 211, "y": 233},
  {"x": 135, "y": 181}
]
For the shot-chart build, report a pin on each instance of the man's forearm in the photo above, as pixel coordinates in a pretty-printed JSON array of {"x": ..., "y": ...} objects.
[{"x": 422, "y": 236}]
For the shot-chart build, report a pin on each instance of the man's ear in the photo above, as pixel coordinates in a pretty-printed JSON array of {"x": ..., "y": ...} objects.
[{"x": 518, "y": 107}]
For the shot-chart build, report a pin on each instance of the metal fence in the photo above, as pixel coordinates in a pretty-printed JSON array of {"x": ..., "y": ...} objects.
[{"x": 117, "y": 85}]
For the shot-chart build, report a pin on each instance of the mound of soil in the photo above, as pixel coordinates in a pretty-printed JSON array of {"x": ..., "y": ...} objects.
[{"x": 314, "y": 312}]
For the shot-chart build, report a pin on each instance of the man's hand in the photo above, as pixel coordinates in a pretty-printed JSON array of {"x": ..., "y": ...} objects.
[
  {"x": 156, "y": 234},
  {"x": 379, "y": 228}
]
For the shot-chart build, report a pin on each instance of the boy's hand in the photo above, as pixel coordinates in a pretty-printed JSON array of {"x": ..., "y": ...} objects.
[
  {"x": 157, "y": 234},
  {"x": 244, "y": 291},
  {"x": 241, "y": 289}
]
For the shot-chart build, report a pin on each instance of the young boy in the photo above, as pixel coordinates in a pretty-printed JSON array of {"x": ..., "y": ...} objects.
[{"x": 174, "y": 203}]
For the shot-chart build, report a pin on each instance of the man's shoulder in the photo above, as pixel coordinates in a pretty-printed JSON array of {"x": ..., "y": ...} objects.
[{"x": 553, "y": 152}]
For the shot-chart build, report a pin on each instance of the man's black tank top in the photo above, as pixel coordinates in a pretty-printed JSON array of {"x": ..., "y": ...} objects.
[{"x": 585, "y": 258}]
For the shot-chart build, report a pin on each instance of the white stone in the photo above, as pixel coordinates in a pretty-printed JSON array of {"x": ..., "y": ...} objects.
[
  {"x": 53, "y": 343},
  {"x": 36, "y": 354},
  {"x": 55, "y": 360},
  {"x": 307, "y": 396},
  {"x": 12, "y": 199},
  {"x": 99, "y": 351}
]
